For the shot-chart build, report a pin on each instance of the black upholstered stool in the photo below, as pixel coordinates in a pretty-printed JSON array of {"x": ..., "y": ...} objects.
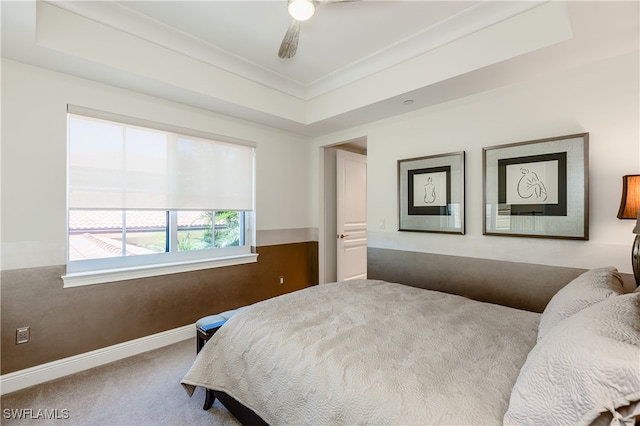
[{"x": 205, "y": 329}]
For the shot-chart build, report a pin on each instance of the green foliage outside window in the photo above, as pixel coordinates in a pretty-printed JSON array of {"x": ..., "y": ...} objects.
[{"x": 226, "y": 232}]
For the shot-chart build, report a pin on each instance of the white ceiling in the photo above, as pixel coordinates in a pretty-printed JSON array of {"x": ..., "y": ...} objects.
[
  {"x": 341, "y": 46},
  {"x": 339, "y": 36}
]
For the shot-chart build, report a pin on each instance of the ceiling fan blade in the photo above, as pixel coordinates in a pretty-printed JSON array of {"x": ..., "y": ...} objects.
[{"x": 289, "y": 44}]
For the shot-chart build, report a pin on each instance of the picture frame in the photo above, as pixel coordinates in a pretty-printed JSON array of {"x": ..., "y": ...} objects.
[
  {"x": 537, "y": 188},
  {"x": 431, "y": 193}
]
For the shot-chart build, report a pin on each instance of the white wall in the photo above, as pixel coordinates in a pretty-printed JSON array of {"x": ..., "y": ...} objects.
[
  {"x": 33, "y": 182},
  {"x": 601, "y": 98}
]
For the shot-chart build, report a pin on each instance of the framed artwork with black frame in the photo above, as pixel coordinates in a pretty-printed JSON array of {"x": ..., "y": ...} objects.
[
  {"x": 431, "y": 193},
  {"x": 537, "y": 188}
]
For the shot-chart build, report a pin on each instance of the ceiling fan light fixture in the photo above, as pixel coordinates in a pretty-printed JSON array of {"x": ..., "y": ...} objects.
[{"x": 301, "y": 10}]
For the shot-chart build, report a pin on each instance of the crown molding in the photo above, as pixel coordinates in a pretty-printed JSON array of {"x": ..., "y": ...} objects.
[
  {"x": 133, "y": 23},
  {"x": 464, "y": 23}
]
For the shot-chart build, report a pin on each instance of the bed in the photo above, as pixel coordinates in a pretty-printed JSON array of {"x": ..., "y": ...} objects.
[{"x": 377, "y": 352}]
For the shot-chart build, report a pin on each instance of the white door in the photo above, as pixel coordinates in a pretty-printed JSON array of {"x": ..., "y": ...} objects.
[{"x": 352, "y": 215}]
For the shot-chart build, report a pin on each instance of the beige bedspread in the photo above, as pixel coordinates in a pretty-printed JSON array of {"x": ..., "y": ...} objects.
[{"x": 366, "y": 351}]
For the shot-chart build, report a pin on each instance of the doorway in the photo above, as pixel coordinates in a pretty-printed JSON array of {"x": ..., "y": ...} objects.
[{"x": 328, "y": 232}]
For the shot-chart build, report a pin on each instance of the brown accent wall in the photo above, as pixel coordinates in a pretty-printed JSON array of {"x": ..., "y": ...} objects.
[{"x": 70, "y": 321}]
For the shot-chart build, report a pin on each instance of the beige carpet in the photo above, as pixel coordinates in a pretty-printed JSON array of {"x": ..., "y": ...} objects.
[{"x": 141, "y": 390}]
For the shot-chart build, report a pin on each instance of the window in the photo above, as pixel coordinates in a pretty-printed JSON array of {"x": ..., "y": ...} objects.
[
  {"x": 103, "y": 234},
  {"x": 146, "y": 199}
]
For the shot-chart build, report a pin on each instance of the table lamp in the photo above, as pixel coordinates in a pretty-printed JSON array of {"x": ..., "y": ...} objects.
[{"x": 630, "y": 209}]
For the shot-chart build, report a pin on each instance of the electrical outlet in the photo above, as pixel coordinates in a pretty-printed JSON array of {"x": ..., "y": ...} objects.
[
  {"x": 22, "y": 335},
  {"x": 281, "y": 279}
]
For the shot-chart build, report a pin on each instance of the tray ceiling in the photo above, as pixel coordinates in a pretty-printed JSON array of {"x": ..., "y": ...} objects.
[{"x": 356, "y": 61}]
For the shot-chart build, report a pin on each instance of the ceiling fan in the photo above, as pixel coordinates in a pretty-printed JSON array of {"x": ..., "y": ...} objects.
[{"x": 300, "y": 10}]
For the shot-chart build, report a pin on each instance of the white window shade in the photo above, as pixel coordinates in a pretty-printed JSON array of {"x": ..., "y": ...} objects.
[{"x": 115, "y": 165}]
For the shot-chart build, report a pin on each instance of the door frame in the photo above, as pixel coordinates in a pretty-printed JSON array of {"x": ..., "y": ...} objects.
[{"x": 327, "y": 225}]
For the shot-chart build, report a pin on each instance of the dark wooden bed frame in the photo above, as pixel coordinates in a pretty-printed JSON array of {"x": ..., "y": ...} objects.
[{"x": 245, "y": 415}]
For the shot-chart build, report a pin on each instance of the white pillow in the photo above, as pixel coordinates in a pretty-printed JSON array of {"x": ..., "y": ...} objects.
[
  {"x": 588, "y": 364},
  {"x": 591, "y": 287}
]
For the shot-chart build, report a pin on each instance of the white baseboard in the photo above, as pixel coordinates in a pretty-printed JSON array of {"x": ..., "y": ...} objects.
[{"x": 17, "y": 380}]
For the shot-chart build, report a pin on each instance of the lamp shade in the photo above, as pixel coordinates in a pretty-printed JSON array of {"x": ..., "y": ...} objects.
[{"x": 630, "y": 202}]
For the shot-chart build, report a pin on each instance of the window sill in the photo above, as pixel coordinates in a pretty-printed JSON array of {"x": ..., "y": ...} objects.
[{"x": 110, "y": 275}]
